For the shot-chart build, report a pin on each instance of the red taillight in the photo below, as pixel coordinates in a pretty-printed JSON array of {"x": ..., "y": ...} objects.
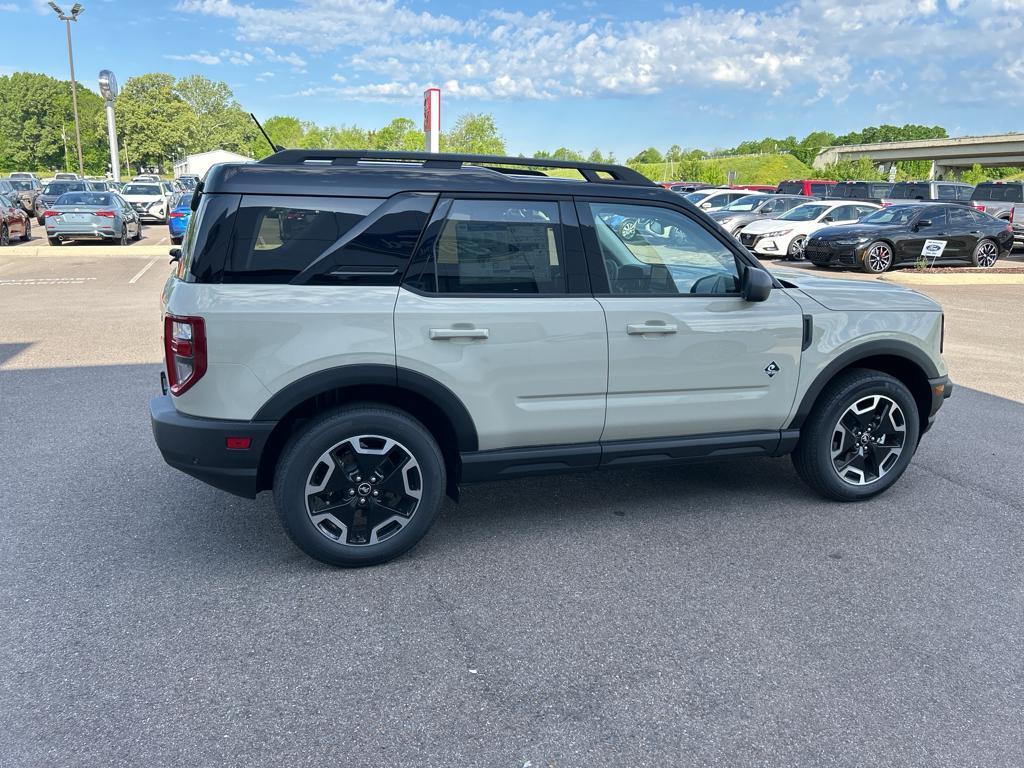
[
  {"x": 176, "y": 215},
  {"x": 48, "y": 214},
  {"x": 1010, "y": 219},
  {"x": 238, "y": 443},
  {"x": 104, "y": 214},
  {"x": 979, "y": 207},
  {"x": 184, "y": 351}
]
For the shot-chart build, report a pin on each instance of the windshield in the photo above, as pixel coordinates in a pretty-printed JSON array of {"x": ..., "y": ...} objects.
[
  {"x": 22, "y": 186},
  {"x": 84, "y": 198},
  {"x": 805, "y": 212},
  {"x": 748, "y": 203},
  {"x": 696, "y": 197},
  {"x": 58, "y": 188},
  {"x": 149, "y": 190},
  {"x": 894, "y": 214},
  {"x": 184, "y": 200}
]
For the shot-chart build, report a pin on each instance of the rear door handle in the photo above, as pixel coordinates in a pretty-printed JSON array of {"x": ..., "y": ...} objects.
[
  {"x": 639, "y": 329},
  {"x": 442, "y": 334}
]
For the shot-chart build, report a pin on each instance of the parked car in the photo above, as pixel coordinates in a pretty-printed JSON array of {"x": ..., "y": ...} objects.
[
  {"x": 686, "y": 187},
  {"x": 769, "y": 188},
  {"x": 808, "y": 187},
  {"x": 189, "y": 180},
  {"x": 150, "y": 200},
  {"x": 398, "y": 343},
  {"x": 179, "y": 217},
  {"x": 92, "y": 216},
  {"x": 54, "y": 190},
  {"x": 14, "y": 222},
  {"x": 1003, "y": 200},
  {"x": 27, "y": 191},
  {"x": 737, "y": 214},
  {"x": 929, "y": 191},
  {"x": 66, "y": 177},
  {"x": 24, "y": 175},
  {"x": 714, "y": 198},
  {"x": 865, "y": 191},
  {"x": 7, "y": 188},
  {"x": 147, "y": 178},
  {"x": 905, "y": 233},
  {"x": 785, "y": 235}
]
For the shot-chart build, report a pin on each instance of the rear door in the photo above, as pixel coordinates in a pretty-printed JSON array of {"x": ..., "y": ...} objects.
[
  {"x": 963, "y": 233},
  {"x": 687, "y": 355},
  {"x": 497, "y": 308}
]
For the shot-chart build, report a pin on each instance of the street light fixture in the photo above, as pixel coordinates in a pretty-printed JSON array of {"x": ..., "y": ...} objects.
[{"x": 76, "y": 11}]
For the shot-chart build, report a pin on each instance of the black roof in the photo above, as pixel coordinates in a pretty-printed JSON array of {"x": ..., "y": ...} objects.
[{"x": 358, "y": 173}]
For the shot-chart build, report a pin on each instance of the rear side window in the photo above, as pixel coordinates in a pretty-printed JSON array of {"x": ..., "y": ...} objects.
[
  {"x": 791, "y": 188},
  {"x": 1006, "y": 193},
  {"x": 964, "y": 193},
  {"x": 498, "y": 247},
  {"x": 947, "y": 192},
  {"x": 820, "y": 189},
  {"x": 276, "y": 238}
]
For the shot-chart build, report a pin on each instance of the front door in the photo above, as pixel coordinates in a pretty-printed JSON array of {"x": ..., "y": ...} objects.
[
  {"x": 687, "y": 355},
  {"x": 930, "y": 224},
  {"x": 497, "y": 308}
]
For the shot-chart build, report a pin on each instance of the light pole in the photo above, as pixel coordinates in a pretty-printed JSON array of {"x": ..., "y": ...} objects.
[
  {"x": 76, "y": 10},
  {"x": 108, "y": 89}
]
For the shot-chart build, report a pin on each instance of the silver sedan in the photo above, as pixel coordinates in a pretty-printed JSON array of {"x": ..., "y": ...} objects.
[{"x": 91, "y": 216}]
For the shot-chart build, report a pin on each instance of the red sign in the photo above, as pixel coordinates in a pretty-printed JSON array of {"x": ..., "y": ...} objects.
[{"x": 431, "y": 110}]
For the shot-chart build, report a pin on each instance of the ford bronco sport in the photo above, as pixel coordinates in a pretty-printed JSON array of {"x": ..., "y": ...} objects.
[{"x": 362, "y": 332}]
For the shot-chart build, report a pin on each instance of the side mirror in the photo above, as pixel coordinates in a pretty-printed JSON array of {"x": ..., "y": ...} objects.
[
  {"x": 828, "y": 220},
  {"x": 175, "y": 255},
  {"x": 755, "y": 285},
  {"x": 705, "y": 206},
  {"x": 922, "y": 223}
]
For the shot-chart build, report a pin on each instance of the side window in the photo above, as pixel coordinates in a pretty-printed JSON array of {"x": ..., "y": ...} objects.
[
  {"x": 863, "y": 210},
  {"x": 501, "y": 247},
  {"x": 937, "y": 217},
  {"x": 651, "y": 250},
  {"x": 276, "y": 238},
  {"x": 820, "y": 189},
  {"x": 843, "y": 213},
  {"x": 960, "y": 217},
  {"x": 964, "y": 193},
  {"x": 946, "y": 192}
]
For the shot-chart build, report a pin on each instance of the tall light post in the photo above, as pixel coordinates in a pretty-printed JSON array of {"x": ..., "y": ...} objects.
[
  {"x": 76, "y": 11},
  {"x": 108, "y": 90}
]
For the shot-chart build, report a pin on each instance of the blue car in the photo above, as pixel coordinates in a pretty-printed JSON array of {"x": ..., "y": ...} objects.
[{"x": 178, "y": 217}]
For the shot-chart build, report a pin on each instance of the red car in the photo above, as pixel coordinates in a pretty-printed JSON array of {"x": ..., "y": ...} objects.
[
  {"x": 816, "y": 187},
  {"x": 14, "y": 222},
  {"x": 754, "y": 187}
]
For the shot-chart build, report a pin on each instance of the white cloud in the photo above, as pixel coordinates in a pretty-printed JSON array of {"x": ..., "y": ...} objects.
[
  {"x": 200, "y": 58},
  {"x": 807, "y": 49},
  {"x": 8, "y": 7}
]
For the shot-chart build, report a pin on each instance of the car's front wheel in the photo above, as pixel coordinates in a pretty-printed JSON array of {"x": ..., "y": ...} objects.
[
  {"x": 878, "y": 258},
  {"x": 860, "y": 436},
  {"x": 359, "y": 485}
]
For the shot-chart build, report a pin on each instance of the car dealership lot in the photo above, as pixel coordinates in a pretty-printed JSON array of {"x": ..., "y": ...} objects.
[{"x": 716, "y": 614}]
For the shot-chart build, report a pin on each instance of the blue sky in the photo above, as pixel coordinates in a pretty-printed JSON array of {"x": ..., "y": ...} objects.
[{"x": 584, "y": 74}]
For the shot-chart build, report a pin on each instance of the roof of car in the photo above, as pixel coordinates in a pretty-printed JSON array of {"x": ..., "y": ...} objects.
[{"x": 358, "y": 173}]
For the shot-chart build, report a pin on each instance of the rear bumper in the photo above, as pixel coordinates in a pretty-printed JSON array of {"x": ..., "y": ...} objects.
[{"x": 198, "y": 447}]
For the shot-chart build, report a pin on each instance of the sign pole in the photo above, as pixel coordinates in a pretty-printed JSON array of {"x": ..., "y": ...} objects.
[
  {"x": 108, "y": 89},
  {"x": 432, "y": 119}
]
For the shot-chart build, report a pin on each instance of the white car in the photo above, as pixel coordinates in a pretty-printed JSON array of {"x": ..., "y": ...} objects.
[
  {"x": 787, "y": 235},
  {"x": 150, "y": 200},
  {"x": 715, "y": 199}
]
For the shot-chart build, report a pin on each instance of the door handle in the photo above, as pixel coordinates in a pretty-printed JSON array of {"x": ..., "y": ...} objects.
[
  {"x": 638, "y": 329},
  {"x": 442, "y": 334}
]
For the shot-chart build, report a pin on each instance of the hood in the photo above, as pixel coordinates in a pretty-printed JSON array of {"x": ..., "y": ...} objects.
[
  {"x": 853, "y": 295},
  {"x": 733, "y": 215},
  {"x": 760, "y": 226},
  {"x": 846, "y": 231}
]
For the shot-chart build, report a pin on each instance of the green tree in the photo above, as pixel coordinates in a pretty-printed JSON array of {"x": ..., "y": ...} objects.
[
  {"x": 563, "y": 153},
  {"x": 646, "y": 157},
  {"x": 712, "y": 172},
  {"x": 474, "y": 134},
  {"x": 673, "y": 154},
  {"x": 154, "y": 120},
  {"x": 400, "y": 134},
  {"x": 847, "y": 170},
  {"x": 975, "y": 175},
  {"x": 218, "y": 121},
  {"x": 596, "y": 157}
]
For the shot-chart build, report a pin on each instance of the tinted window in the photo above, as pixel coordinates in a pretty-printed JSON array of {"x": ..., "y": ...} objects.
[
  {"x": 4, "y": 202},
  {"x": 790, "y": 188},
  {"x": 805, "y": 212},
  {"x": 895, "y": 214},
  {"x": 980, "y": 217},
  {"x": 649, "y": 250},
  {"x": 820, "y": 189},
  {"x": 937, "y": 217},
  {"x": 960, "y": 217},
  {"x": 22, "y": 186},
  {"x": 498, "y": 246},
  {"x": 277, "y": 238},
  {"x": 84, "y": 198},
  {"x": 964, "y": 193},
  {"x": 844, "y": 213},
  {"x": 907, "y": 190},
  {"x": 947, "y": 192},
  {"x": 58, "y": 188},
  {"x": 147, "y": 190},
  {"x": 880, "y": 190},
  {"x": 1008, "y": 193}
]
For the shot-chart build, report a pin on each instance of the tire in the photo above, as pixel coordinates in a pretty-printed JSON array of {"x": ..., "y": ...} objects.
[
  {"x": 53, "y": 240},
  {"x": 986, "y": 253},
  {"x": 123, "y": 240},
  {"x": 5, "y": 235},
  {"x": 28, "y": 231},
  {"x": 830, "y": 454},
  {"x": 878, "y": 258},
  {"x": 138, "y": 232},
  {"x": 795, "y": 251},
  {"x": 175, "y": 241},
  {"x": 350, "y": 436}
]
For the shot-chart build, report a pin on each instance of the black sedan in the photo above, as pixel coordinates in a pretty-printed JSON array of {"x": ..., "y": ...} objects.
[{"x": 912, "y": 233}]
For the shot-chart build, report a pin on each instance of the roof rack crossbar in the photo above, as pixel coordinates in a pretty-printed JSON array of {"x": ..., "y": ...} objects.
[{"x": 592, "y": 172}]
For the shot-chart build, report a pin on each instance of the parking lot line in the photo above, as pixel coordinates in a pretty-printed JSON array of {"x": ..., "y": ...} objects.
[{"x": 142, "y": 271}]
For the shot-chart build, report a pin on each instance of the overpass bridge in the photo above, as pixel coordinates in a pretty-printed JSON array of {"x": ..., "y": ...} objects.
[{"x": 948, "y": 156}]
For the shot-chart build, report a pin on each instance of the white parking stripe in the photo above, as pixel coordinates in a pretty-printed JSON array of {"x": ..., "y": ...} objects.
[{"x": 142, "y": 271}]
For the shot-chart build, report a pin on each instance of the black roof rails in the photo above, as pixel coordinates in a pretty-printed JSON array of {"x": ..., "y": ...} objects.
[{"x": 590, "y": 171}]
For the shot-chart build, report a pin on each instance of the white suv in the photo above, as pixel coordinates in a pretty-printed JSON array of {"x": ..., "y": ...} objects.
[{"x": 363, "y": 332}]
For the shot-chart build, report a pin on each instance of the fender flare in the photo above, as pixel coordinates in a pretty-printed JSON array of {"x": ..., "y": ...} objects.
[{"x": 889, "y": 348}]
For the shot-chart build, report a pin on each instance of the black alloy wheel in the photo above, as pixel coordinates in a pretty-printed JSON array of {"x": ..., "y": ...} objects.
[
  {"x": 985, "y": 255},
  {"x": 878, "y": 258}
]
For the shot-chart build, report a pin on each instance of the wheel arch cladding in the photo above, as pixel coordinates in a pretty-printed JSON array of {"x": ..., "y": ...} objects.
[
  {"x": 902, "y": 361},
  {"x": 423, "y": 398}
]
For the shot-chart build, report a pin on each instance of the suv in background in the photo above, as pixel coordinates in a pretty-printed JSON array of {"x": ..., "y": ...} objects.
[
  {"x": 715, "y": 198},
  {"x": 929, "y": 191},
  {"x": 28, "y": 191},
  {"x": 807, "y": 187},
  {"x": 363, "y": 332},
  {"x": 1004, "y": 200},
  {"x": 864, "y": 191},
  {"x": 737, "y": 214}
]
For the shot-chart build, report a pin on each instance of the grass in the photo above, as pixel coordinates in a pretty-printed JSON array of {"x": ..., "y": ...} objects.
[{"x": 750, "y": 169}]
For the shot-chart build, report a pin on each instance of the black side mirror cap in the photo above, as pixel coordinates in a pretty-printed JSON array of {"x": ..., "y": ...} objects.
[
  {"x": 923, "y": 223},
  {"x": 175, "y": 255},
  {"x": 756, "y": 284}
]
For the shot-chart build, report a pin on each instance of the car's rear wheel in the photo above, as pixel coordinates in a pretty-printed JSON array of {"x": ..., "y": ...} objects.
[
  {"x": 5, "y": 235},
  {"x": 795, "y": 252},
  {"x": 985, "y": 255},
  {"x": 878, "y": 258},
  {"x": 359, "y": 485},
  {"x": 123, "y": 240},
  {"x": 860, "y": 436},
  {"x": 28, "y": 231},
  {"x": 175, "y": 241}
]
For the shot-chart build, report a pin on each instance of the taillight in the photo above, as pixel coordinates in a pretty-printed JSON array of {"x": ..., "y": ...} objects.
[
  {"x": 104, "y": 214},
  {"x": 48, "y": 214},
  {"x": 176, "y": 215},
  {"x": 979, "y": 207},
  {"x": 185, "y": 351},
  {"x": 1010, "y": 218}
]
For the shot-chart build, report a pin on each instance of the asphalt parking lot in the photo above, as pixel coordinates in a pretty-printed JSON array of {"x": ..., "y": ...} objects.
[
  {"x": 713, "y": 615},
  {"x": 152, "y": 234}
]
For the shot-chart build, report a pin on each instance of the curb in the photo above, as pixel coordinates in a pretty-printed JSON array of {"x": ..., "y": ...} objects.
[
  {"x": 87, "y": 251},
  {"x": 956, "y": 278}
]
